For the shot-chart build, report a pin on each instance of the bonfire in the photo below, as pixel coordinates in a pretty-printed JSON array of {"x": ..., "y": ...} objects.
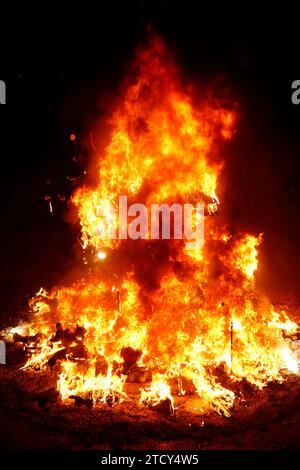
[{"x": 153, "y": 320}]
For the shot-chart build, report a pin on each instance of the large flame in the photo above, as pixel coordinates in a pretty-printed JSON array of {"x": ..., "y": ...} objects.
[{"x": 189, "y": 312}]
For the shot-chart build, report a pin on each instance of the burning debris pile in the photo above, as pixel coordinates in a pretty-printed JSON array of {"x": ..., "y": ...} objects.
[{"x": 158, "y": 320}]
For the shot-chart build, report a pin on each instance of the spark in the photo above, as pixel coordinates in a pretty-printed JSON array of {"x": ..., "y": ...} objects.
[{"x": 101, "y": 255}]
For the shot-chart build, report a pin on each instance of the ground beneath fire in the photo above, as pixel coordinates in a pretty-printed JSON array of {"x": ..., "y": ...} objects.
[
  {"x": 271, "y": 420},
  {"x": 265, "y": 419}
]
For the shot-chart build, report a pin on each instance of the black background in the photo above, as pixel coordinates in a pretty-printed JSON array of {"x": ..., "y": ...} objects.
[{"x": 59, "y": 63}]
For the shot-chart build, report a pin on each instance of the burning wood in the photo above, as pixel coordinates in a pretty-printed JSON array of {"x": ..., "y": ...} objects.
[
  {"x": 68, "y": 353},
  {"x": 58, "y": 356},
  {"x": 27, "y": 340},
  {"x": 164, "y": 407},
  {"x": 158, "y": 396},
  {"x": 68, "y": 337}
]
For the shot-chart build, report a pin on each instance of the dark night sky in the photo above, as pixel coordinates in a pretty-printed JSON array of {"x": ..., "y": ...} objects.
[{"x": 57, "y": 66}]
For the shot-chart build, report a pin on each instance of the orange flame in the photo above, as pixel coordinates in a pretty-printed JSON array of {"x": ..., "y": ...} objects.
[{"x": 204, "y": 310}]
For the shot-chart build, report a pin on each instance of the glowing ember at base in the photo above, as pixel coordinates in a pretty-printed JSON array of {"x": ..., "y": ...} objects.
[{"x": 157, "y": 393}]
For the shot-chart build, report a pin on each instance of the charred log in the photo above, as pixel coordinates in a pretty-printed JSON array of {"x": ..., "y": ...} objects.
[
  {"x": 67, "y": 336},
  {"x": 71, "y": 353},
  {"x": 46, "y": 397},
  {"x": 79, "y": 401},
  {"x": 164, "y": 407},
  {"x": 58, "y": 356},
  {"x": 27, "y": 340}
]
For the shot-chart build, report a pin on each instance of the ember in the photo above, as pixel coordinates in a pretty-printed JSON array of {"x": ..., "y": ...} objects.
[{"x": 161, "y": 316}]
